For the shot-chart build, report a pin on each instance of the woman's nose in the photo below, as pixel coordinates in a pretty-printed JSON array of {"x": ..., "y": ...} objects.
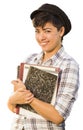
[{"x": 42, "y": 36}]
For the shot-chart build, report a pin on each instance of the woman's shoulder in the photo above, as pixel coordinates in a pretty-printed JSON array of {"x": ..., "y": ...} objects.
[{"x": 31, "y": 57}]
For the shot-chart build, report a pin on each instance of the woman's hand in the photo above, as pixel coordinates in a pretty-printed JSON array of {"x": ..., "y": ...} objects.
[
  {"x": 18, "y": 84},
  {"x": 21, "y": 96}
]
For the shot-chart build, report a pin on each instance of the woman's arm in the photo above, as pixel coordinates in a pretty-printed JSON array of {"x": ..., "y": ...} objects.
[
  {"x": 47, "y": 111},
  {"x": 66, "y": 96},
  {"x": 19, "y": 96},
  {"x": 23, "y": 96}
]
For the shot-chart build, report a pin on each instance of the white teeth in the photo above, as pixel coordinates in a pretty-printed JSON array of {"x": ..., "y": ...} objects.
[{"x": 43, "y": 43}]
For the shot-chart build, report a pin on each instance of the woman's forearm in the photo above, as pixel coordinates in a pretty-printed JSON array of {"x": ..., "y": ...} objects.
[
  {"x": 11, "y": 107},
  {"x": 47, "y": 111}
]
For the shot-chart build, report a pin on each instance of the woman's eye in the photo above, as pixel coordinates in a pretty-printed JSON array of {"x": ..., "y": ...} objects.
[
  {"x": 47, "y": 31},
  {"x": 36, "y": 31}
]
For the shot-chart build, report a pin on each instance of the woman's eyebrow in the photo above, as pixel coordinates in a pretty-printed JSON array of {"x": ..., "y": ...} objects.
[{"x": 47, "y": 28}]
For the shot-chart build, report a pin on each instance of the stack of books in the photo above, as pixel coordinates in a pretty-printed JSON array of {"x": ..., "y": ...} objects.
[{"x": 42, "y": 81}]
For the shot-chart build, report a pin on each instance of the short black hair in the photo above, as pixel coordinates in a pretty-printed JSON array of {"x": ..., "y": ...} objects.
[
  {"x": 42, "y": 18},
  {"x": 54, "y": 11}
]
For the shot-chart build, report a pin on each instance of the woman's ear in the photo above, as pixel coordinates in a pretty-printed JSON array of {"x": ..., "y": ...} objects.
[{"x": 62, "y": 31}]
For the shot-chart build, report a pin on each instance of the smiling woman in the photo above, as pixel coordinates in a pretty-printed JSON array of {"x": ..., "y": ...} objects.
[
  {"x": 51, "y": 24},
  {"x": 16, "y": 42},
  {"x": 46, "y": 38}
]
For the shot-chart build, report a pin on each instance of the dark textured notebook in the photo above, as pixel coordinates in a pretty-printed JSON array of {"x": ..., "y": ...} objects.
[{"x": 42, "y": 84}]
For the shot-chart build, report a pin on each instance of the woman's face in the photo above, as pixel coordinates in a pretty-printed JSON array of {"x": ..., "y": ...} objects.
[{"x": 48, "y": 37}]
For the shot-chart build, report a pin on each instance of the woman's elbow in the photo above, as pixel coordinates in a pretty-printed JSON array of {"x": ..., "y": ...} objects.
[{"x": 59, "y": 120}]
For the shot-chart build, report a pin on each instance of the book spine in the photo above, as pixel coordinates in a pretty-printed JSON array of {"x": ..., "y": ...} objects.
[{"x": 20, "y": 71}]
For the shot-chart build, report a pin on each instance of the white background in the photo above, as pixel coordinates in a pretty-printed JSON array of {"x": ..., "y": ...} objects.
[{"x": 17, "y": 41}]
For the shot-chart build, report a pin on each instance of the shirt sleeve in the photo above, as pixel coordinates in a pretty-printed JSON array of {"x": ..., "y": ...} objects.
[{"x": 68, "y": 89}]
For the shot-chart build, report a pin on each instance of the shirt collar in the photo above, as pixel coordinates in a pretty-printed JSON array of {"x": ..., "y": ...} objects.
[{"x": 53, "y": 60}]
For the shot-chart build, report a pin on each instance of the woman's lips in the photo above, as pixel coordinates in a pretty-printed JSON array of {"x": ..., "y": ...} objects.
[{"x": 43, "y": 44}]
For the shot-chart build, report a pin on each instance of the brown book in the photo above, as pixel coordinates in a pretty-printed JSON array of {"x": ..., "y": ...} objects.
[{"x": 41, "y": 81}]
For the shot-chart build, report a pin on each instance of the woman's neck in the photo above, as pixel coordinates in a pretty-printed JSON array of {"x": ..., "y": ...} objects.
[{"x": 48, "y": 55}]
